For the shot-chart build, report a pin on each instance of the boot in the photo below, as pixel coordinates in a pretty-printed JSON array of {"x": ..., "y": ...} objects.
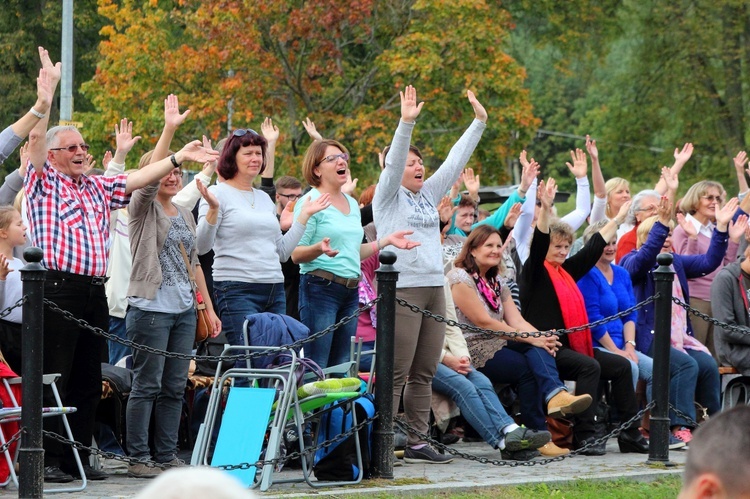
[
  {"x": 564, "y": 404},
  {"x": 551, "y": 450}
]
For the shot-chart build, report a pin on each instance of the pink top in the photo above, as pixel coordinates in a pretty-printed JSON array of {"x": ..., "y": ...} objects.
[{"x": 700, "y": 287}]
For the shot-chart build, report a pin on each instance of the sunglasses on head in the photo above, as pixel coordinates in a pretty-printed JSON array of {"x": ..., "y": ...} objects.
[{"x": 241, "y": 132}]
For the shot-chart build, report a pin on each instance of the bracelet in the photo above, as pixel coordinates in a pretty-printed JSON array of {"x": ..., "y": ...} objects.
[
  {"x": 37, "y": 113},
  {"x": 379, "y": 246},
  {"x": 174, "y": 161}
]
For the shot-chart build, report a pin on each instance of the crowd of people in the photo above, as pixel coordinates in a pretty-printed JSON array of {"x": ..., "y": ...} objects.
[{"x": 125, "y": 253}]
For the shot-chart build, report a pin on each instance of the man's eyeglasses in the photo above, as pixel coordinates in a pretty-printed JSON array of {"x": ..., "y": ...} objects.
[
  {"x": 291, "y": 197},
  {"x": 241, "y": 132},
  {"x": 73, "y": 148},
  {"x": 334, "y": 157},
  {"x": 713, "y": 198}
]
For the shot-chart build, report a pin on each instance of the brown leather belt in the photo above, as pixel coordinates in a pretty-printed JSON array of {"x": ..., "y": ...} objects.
[{"x": 328, "y": 276}]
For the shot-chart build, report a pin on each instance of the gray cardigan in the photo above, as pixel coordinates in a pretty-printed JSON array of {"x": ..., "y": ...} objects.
[
  {"x": 148, "y": 227},
  {"x": 727, "y": 305}
]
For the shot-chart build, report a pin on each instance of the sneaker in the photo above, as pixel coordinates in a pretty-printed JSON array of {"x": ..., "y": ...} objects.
[
  {"x": 683, "y": 433},
  {"x": 175, "y": 462},
  {"x": 523, "y": 438},
  {"x": 425, "y": 455},
  {"x": 114, "y": 466},
  {"x": 551, "y": 450},
  {"x": 564, "y": 404},
  {"x": 141, "y": 470},
  {"x": 675, "y": 443},
  {"x": 519, "y": 455}
]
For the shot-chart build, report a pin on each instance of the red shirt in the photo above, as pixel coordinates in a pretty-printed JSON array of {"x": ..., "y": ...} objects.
[
  {"x": 626, "y": 243},
  {"x": 70, "y": 220}
]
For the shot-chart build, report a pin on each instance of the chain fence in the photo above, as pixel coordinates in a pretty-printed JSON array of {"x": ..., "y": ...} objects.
[
  {"x": 16, "y": 436},
  {"x": 5, "y": 313},
  {"x": 524, "y": 334},
  {"x": 711, "y": 320}
]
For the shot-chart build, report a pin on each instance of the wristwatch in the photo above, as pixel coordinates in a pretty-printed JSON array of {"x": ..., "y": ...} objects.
[{"x": 632, "y": 342}]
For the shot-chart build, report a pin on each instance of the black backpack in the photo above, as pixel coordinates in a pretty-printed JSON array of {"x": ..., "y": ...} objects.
[{"x": 338, "y": 462}]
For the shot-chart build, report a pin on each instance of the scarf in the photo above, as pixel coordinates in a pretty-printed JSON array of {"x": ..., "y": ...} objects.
[
  {"x": 366, "y": 295},
  {"x": 572, "y": 307},
  {"x": 489, "y": 289},
  {"x": 680, "y": 339}
]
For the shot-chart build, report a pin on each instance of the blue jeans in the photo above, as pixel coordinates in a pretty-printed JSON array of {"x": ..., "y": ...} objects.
[
  {"x": 509, "y": 366},
  {"x": 477, "y": 400},
  {"x": 233, "y": 300},
  {"x": 158, "y": 381},
  {"x": 117, "y": 350},
  {"x": 694, "y": 376},
  {"x": 322, "y": 303}
]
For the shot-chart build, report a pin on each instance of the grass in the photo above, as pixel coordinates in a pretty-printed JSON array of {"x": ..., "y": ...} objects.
[{"x": 664, "y": 487}]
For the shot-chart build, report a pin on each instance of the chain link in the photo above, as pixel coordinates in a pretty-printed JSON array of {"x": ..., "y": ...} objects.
[
  {"x": 5, "y": 313},
  {"x": 709, "y": 319},
  {"x": 523, "y": 334},
  {"x": 690, "y": 421},
  {"x": 16, "y": 436},
  {"x": 211, "y": 358},
  {"x": 534, "y": 462}
]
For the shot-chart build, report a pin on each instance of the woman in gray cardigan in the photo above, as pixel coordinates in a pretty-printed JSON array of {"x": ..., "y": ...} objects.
[{"x": 161, "y": 313}]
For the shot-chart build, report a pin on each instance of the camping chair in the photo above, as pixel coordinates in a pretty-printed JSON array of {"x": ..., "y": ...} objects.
[
  {"x": 15, "y": 415},
  {"x": 356, "y": 353}
]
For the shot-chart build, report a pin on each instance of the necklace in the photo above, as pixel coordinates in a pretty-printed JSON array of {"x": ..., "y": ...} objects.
[{"x": 252, "y": 203}]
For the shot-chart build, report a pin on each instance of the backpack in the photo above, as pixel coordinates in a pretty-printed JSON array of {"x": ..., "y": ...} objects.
[{"x": 338, "y": 462}]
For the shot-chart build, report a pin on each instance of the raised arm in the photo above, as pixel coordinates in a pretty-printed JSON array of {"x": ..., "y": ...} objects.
[
  {"x": 46, "y": 83},
  {"x": 125, "y": 141},
  {"x": 739, "y": 167},
  {"x": 271, "y": 134},
  {"x": 193, "y": 151},
  {"x": 680, "y": 158},
  {"x": 172, "y": 121},
  {"x": 579, "y": 169},
  {"x": 41, "y": 108}
]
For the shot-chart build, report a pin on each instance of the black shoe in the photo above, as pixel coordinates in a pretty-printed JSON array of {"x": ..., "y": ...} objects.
[
  {"x": 519, "y": 455},
  {"x": 91, "y": 473},
  {"x": 592, "y": 450},
  {"x": 53, "y": 474},
  {"x": 627, "y": 443}
]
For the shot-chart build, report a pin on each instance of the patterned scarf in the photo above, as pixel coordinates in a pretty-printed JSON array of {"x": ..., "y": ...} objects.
[
  {"x": 366, "y": 295},
  {"x": 489, "y": 289}
]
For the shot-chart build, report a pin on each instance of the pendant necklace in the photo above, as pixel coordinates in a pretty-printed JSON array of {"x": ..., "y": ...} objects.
[{"x": 252, "y": 203}]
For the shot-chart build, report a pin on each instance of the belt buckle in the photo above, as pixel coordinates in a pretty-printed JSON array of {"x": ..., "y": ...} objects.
[
  {"x": 350, "y": 281},
  {"x": 98, "y": 280}
]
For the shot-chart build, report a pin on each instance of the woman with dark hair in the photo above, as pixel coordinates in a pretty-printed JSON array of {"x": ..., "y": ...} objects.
[
  {"x": 483, "y": 299},
  {"x": 239, "y": 223},
  {"x": 330, "y": 252},
  {"x": 550, "y": 297}
]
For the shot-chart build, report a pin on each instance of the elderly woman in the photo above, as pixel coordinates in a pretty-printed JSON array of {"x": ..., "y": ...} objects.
[
  {"x": 550, "y": 297},
  {"x": 693, "y": 237},
  {"x": 689, "y": 359}
]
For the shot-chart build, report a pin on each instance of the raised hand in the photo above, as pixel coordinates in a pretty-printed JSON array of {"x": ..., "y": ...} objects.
[
  {"x": 579, "y": 166},
  {"x": 213, "y": 202},
  {"x": 528, "y": 174},
  {"x": 325, "y": 247},
  {"x": 591, "y": 148},
  {"x": 740, "y": 161},
  {"x": 194, "y": 151},
  {"x": 446, "y": 209},
  {"x": 409, "y": 107},
  {"x": 687, "y": 226},
  {"x": 664, "y": 210},
  {"x": 124, "y": 136},
  {"x": 350, "y": 185},
  {"x": 269, "y": 130},
  {"x": 548, "y": 191},
  {"x": 471, "y": 182},
  {"x": 106, "y": 159},
  {"x": 737, "y": 228},
  {"x": 623, "y": 212},
  {"x": 4, "y": 267},
  {"x": 24, "y": 152},
  {"x": 398, "y": 239},
  {"x": 45, "y": 91},
  {"x": 522, "y": 158},
  {"x": 172, "y": 117},
  {"x": 480, "y": 112},
  {"x": 725, "y": 214},
  {"x": 671, "y": 179},
  {"x": 682, "y": 156},
  {"x": 312, "y": 207},
  {"x": 512, "y": 217},
  {"x": 90, "y": 161},
  {"x": 312, "y": 131},
  {"x": 54, "y": 71}
]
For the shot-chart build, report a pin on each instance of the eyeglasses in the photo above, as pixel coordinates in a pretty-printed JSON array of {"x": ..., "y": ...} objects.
[
  {"x": 73, "y": 148},
  {"x": 713, "y": 198},
  {"x": 291, "y": 197},
  {"x": 334, "y": 157},
  {"x": 241, "y": 132},
  {"x": 176, "y": 172}
]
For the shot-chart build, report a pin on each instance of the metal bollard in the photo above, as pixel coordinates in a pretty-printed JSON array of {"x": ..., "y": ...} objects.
[
  {"x": 31, "y": 454},
  {"x": 658, "y": 449},
  {"x": 382, "y": 449}
]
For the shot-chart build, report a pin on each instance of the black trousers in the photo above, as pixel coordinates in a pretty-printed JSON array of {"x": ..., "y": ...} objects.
[
  {"x": 586, "y": 372},
  {"x": 76, "y": 354}
]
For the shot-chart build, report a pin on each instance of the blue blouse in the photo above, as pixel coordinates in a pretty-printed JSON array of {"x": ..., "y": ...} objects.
[{"x": 604, "y": 300}]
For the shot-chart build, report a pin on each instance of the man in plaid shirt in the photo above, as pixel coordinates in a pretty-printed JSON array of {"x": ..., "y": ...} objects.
[{"x": 69, "y": 215}]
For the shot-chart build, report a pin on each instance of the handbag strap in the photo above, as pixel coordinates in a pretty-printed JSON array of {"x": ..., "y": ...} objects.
[{"x": 191, "y": 275}]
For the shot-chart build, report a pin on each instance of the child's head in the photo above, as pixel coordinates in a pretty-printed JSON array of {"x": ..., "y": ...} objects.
[{"x": 12, "y": 228}]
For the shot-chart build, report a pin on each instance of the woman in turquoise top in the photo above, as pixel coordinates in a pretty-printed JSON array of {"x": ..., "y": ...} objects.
[{"x": 330, "y": 252}]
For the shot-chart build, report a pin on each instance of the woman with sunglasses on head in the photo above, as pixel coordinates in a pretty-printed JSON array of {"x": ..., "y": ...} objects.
[
  {"x": 404, "y": 198},
  {"x": 693, "y": 237},
  {"x": 239, "y": 223},
  {"x": 330, "y": 253}
]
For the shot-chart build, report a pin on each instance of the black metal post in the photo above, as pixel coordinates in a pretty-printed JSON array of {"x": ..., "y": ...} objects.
[
  {"x": 382, "y": 449},
  {"x": 659, "y": 420},
  {"x": 31, "y": 454}
]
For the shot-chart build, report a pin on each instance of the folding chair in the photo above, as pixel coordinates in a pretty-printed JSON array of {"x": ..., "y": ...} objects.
[
  {"x": 59, "y": 410},
  {"x": 356, "y": 353}
]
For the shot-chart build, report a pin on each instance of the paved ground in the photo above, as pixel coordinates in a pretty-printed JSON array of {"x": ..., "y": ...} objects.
[{"x": 459, "y": 475}]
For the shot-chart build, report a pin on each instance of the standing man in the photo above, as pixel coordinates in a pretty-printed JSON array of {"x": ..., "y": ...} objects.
[
  {"x": 289, "y": 190},
  {"x": 69, "y": 215}
]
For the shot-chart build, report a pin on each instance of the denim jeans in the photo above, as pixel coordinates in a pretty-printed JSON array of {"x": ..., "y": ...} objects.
[
  {"x": 233, "y": 300},
  {"x": 542, "y": 366},
  {"x": 509, "y": 366},
  {"x": 158, "y": 381},
  {"x": 322, "y": 303},
  {"x": 642, "y": 370},
  {"x": 477, "y": 400},
  {"x": 117, "y": 350}
]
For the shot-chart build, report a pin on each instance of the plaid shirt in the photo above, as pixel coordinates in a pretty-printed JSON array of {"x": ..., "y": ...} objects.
[{"x": 70, "y": 220}]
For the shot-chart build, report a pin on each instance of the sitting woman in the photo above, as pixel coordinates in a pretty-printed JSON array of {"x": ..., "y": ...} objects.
[
  {"x": 475, "y": 396},
  {"x": 550, "y": 296},
  {"x": 689, "y": 358},
  {"x": 483, "y": 299}
]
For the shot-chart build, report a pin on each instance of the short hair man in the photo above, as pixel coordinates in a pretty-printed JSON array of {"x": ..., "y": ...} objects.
[
  {"x": 289, "y": 190},
  {"x": 718, "y": 462}
]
